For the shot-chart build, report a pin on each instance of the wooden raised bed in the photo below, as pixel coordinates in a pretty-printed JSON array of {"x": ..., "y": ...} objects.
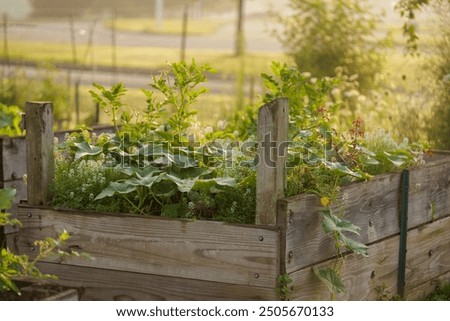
[
  {"x": 153, "y": 258},
  {"x": 13, "y": 167}
]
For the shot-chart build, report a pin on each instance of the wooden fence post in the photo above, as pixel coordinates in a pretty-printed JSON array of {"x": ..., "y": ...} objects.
[
  {"x": 273, "y": 122},
  {"x": 39, "y": 142}
]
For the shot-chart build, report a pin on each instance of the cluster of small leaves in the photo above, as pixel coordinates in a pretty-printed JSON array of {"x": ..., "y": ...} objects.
[
  {"x": 10, "y": 118},
  {"x": 13, "y": 265}
]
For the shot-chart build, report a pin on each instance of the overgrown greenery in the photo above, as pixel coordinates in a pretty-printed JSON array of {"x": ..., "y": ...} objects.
[
  {"x": 321, "y": 35},
  {"x": 16, "y": 88},
  {"x": 174, "y": 168}
]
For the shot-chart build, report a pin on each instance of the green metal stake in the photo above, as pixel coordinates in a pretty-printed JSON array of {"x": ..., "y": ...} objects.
[{"x": 401, "y": 274}]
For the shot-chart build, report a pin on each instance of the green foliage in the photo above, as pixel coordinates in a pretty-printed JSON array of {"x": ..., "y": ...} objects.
[
  {"x": 321, "y": 158},
  {"x": 17, "y": 88},
  {"x": 109, "y": 101},
  {"x": 284, "y": 287},
  {"x": 10, "y": 118},
  {"x": 148, "y": 167},
  {"x": 321, "y": 35},
  {"x": 441, "y": 293},
  {"x": 12, "y": 265},
  {"x": 439, "y": 121}
]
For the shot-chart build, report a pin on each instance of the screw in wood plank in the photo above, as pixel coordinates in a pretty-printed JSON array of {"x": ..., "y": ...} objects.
[
  {"x": 290, "y": 256},
  {"x": 29, "y": 215},
  {"x": 291, "y": 216},
  {"x": 32, "y": 249},
  {"x": 256, "y": 275},
  {"x": 13, "y": 176},
  {"x": 261, "y": 238}
]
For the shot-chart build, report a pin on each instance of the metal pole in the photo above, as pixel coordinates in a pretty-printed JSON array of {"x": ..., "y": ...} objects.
[
  {"x": 184, "y": 30},
  {"x": 401, "y": 272},
  {"x": 159, "y": 14}
]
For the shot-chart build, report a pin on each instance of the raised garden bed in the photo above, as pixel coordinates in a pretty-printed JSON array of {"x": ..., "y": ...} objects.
[
  {"x": 40, "y": 292},
  {"x": 153, "y": 258}
]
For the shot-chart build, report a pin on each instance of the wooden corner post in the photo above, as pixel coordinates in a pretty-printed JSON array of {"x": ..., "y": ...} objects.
[
  {"x": 273, "y": 122},
  {"x": 39, "y": 142}
]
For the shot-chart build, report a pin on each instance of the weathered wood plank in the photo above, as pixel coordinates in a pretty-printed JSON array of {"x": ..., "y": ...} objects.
[
  {"x": 365, "y": 277},
  {"x": 13, "y": 158},
  {"x": 420, "y": 292},
  {"x": 204, "y": 250},
  {"x": 429, "y": 192},
  {"x": 273, "y": 123},
  {"x": 371, "y": 205},
  {"x": 110, "y": 285},
  {"x": 40, "y": 161}
]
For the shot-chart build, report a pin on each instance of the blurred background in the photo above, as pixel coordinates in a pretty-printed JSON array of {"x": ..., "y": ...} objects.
[{"x": 392, "y": 59}]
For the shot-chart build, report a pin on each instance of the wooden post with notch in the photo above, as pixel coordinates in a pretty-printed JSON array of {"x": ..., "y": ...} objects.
[
  {"x": 273, "y": 122},
  {"x": 39, "y": 142}
]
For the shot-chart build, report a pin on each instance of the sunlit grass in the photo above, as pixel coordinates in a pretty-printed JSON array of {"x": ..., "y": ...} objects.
[
  {"x": 224, "y": 62},
  {"x": 168, "y": 26}
]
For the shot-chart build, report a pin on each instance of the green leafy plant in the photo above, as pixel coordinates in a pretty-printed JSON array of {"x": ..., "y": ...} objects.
[
  {"x": 321, "y": 35},
  {"x": 284, "y": 287},
  {"x": 321, "y": 158},
  {"x": 10, "y": 118},
  {"x": 13, "y": 265}
]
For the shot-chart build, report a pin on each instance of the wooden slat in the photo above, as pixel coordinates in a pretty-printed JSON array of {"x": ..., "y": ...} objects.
[
  {"x": 362, "y": 276},
  {"x": 202, "y": 250},
  {"x": 371, "y": 205},
  {"x": 429, "y": 192},
  {"x": 100, "y": 284},
  {"x": 273, "y": 123},
  {"x": 420, "y": 292},
  {"x": 13, "y": 158}
]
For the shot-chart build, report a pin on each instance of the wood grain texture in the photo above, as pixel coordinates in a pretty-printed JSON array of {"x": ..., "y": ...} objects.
[
  {"x": 40, "y": 162},
  {"x": 273, "y": 123},
  {"x": 363, "y": 277},
  {"x": 110, "y": 285},
  {"x": 371, "y": 205},
  {"x": 421, "y": 291},
  {"x": 204, "y": 250},
  {"x": 12, "y": 158}
]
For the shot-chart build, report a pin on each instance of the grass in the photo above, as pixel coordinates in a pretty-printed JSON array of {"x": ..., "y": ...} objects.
[
  {"x": 222, "y": 61},
  {"x": 442, "y": 293},
  {"x": 169, "y": 26}
]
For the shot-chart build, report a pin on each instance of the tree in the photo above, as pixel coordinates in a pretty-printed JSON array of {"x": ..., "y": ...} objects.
[
  {"x": 323, "y": 34},
  {"x": 408, "y": 9}
]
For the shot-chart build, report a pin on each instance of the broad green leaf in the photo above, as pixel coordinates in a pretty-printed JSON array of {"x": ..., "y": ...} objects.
[
  {"x": 183, "y": 185},
  {"x": 153, "y": 150},
  {"x": 396, "y": 159},
  {"x": 146, "y": 181},
  {"x": 6, "y": 281},
  {"x": 342, "y": 169},
  {"x": 330, "y": 278},
  {"x": 172, "y": 210},
  {"x": 332, "y": 223},
  {"x": 354, "y": 246},
  {"x": 211, "y": 184},
  {"x": 84, "y": 149},
  {"x": 116, "y": 187},
  {"x": 184, "y": 161},
  {"x": 7, "y": 196}
]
